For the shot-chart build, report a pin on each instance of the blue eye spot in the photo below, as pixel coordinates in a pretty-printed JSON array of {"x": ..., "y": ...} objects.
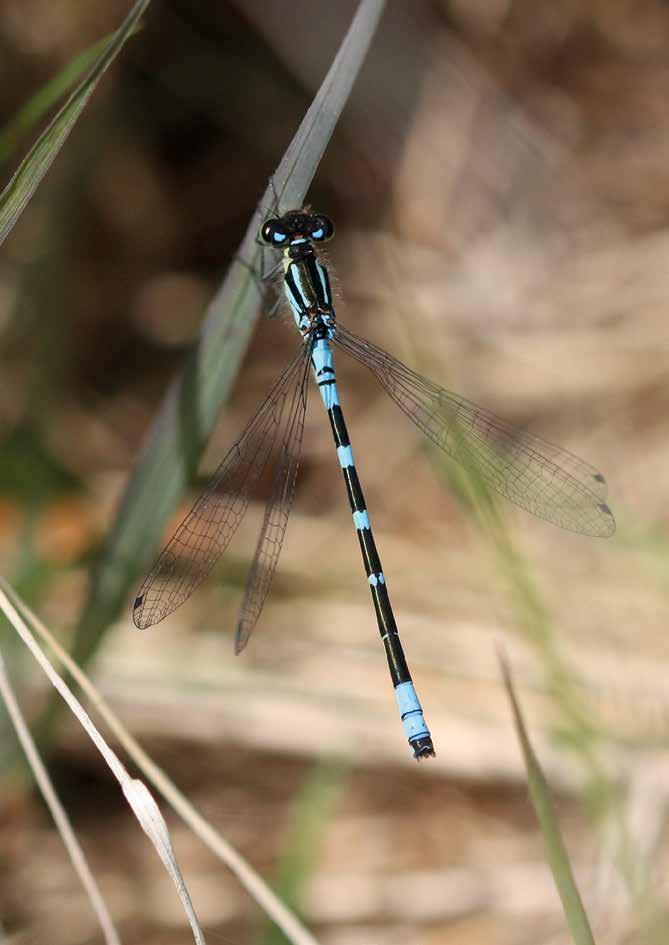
[
  {"x": 279, "y": 237},
  {"x": 317, "y": 234}
]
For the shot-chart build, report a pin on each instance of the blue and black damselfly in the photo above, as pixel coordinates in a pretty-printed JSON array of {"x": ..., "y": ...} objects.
[{"x": 534, "y": 474}]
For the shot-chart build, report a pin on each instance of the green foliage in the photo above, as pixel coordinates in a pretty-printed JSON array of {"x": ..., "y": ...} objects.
[
  {"x": 577, "y": 724},
  {"x": 558, "y": 857},
  {"x": 311, "y": 812},
  {"x": 29, "y": 472},
  {"x": 34, "y": 110},
  {"x": 577, "y": 728}
]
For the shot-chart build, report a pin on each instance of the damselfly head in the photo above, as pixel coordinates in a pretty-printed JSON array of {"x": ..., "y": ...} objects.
[{"x": 297, "y": 225}]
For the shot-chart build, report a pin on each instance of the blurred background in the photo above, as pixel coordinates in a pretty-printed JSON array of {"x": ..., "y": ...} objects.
[{"x": 500, "y": 185}]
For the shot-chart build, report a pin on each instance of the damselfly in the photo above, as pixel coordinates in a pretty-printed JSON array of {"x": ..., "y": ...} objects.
[{"x": 538, "y": 476}]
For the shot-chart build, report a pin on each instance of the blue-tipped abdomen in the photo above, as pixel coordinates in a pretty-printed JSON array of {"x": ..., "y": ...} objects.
[{"x": 415, "y": 728}]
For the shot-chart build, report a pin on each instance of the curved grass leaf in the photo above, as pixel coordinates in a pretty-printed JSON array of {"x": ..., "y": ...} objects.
[
  {"x": 188, "y": 413},
  {"x": 36, "y": 108},
  {"x": 136, "y": 793},
  {"x": 558, "y": 857},
  {"x": 56, "y": 809},
  {"x": 41, "y": 156},
  {"x": 251, "y": 881}
]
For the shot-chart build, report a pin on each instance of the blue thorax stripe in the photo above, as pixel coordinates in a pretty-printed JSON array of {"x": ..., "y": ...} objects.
[{"x": 325, "y": 283}]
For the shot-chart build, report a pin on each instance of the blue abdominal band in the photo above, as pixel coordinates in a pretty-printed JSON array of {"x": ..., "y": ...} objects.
[{"x": 411, "y": 712}]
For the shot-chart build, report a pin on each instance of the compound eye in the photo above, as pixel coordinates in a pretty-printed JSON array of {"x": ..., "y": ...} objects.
[
  {"x": 273, "y": 233},
  {"x": 322, "y": 229}
]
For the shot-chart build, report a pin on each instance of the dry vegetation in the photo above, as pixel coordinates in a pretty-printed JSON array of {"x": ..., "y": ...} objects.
[{"x": 501, "y": 188}]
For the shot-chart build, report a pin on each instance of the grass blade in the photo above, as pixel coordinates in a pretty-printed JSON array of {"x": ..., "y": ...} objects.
[
  {"x": 57, "y": 811},
  {"x": 153, "y": 824},
  {"x": 137, "y": 794},
  {"x": 176, "y": 442},
  {"x": 312, "y": 811},
  {"x": 256, "y": 887},
  {"x": 541, "y": 800},
  {"x": 41, "y": 156},
  {"x": 37, "y": 107}
]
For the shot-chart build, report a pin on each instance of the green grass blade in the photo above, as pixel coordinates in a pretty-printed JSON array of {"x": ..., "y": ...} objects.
[
  {"x": 188, "y": 413},
  {"x": 312, "y": 812},
  {"x": 39, "y": 159},
  {"x": 36, "y": 108},
  {"x": 557, "y": 854},
  {"x": 578, "y": 724}
]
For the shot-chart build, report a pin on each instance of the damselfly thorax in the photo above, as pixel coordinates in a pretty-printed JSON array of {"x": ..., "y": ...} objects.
[{"x": 306, "y": 282}]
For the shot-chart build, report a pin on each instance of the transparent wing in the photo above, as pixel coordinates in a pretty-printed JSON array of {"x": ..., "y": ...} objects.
[
  {"x": 208, "y": 528},
  {"x": 536, "y": 475},
  {"x": 277, "y": 512}
]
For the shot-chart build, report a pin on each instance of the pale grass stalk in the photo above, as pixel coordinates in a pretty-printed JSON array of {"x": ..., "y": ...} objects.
[
  {"x": 57, "y": 810},
  {"x": 247, "y": 876},
  {"x": 143, "y": 806}
]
